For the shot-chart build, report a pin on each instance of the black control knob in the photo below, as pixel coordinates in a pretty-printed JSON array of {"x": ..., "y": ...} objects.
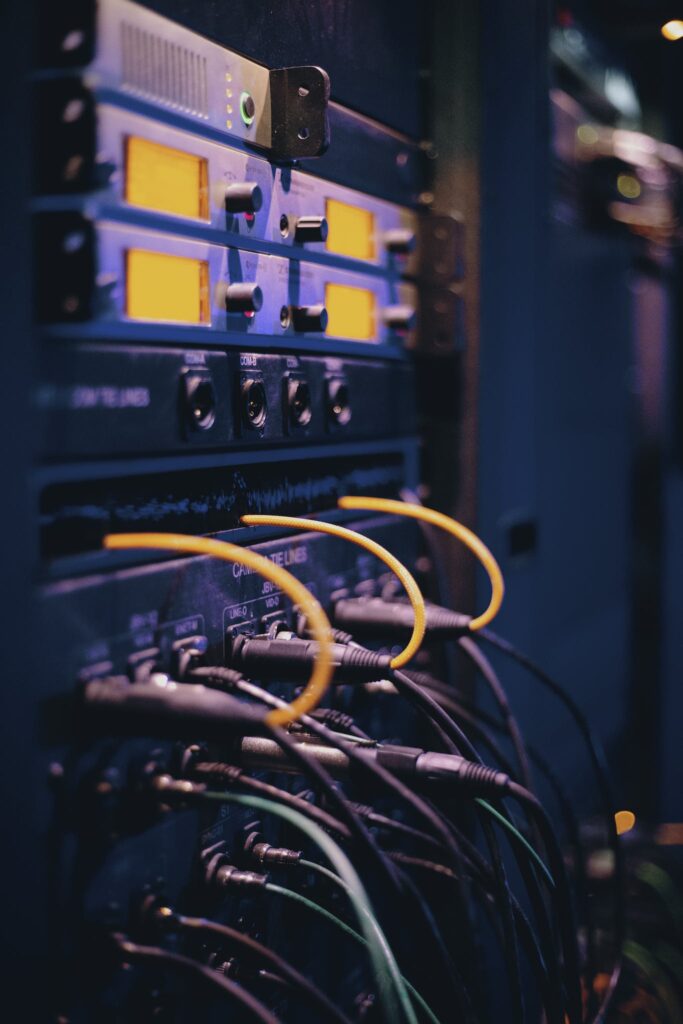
[
  {"x": 399, "y": 318},
  {"x": 243, "y": 297},
  {"x": 243, "y": 197},
  {"x": 400, "y": 241},
  {"x": 310, "y": 229},
  {"x": 309, "y": 318}
]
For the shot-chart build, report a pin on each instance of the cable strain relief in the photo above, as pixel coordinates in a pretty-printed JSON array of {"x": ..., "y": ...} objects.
[
  {"x": 339, "y": 636},
  {"x": 443, "y": 620},
  {"x": 366, "y": 664},
  {"x": 334, "y": 716},
  {"x": 218, "y": 770},
  {"x": 229, "y": 678},
  {"x": 482, "y": 779}
]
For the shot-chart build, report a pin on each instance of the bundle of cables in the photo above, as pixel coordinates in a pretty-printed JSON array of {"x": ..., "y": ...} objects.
[{"x": 409, "y": 835}]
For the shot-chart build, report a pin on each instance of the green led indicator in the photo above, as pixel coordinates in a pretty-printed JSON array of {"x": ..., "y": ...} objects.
[{"x": 247, "y": 108}]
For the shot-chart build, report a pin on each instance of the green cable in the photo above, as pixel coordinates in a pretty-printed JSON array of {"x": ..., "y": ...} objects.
[
  {"x": 291, "y": 894},
  {"x": 356, "y": 892},
  {"x": 653, "y": 973},
  {"x": 657, "y": 879},
  {"x": 502, "y": 820},
  {"x": 396, "y": 975}
]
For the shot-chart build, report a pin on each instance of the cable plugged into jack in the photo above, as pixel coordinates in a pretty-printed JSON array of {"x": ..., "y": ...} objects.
[
  {"x": 411, "y": 764},
  {"x": 288, "y": 657},
  {"x": 374, "y": 616},
  {"x": 173, "y": 710}
]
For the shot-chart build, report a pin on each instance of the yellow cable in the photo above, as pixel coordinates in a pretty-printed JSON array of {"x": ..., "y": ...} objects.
[
  {"x": 456, "y": 529},
  {"x": 321, "y": 676},
  {"x": 398, "y": 568}
]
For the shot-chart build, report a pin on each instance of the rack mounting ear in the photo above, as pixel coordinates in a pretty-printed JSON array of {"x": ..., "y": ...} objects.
[{"x": 298, "y": 110}]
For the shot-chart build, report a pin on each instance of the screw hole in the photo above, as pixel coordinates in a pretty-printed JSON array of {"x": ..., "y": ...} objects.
[
  {"x": 303, "y": 134},
  {"x": 304, "y": 90}
]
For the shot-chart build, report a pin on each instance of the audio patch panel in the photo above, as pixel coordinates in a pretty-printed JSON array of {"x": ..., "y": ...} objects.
[
  {"x": 145, "y": 606},
  {"x": 119, "y": 848},
  {"x": 122, "y": 275},
  {"x": 134, "y": 165},
  {"x": 112, "y": 400}
]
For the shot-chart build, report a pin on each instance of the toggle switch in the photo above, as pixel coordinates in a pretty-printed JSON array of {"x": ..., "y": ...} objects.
[
  {"x": 309, "y": 318},
  {"x": 400, "y": 241},
  {"x": 310, "y": 229},
  {"x": 243, "y": 297},
  {"x": 243, "y": 197}
]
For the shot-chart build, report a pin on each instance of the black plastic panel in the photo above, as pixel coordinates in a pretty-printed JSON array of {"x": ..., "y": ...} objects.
[{"x": 109, "y": 400}]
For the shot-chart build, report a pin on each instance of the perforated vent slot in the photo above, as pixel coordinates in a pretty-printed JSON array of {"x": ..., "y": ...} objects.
[{"x": 164, "y": 71}]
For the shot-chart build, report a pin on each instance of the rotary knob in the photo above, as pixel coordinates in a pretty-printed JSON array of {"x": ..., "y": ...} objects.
[
  {"x": 243, "y": 297},
  {"x": 400, "y": 241},
  {"x": 399, "y": 318},
  {"x": 309, "y": 318},
  {"x": 310, "y": 229},
  {"x": 243, "y": 197}
]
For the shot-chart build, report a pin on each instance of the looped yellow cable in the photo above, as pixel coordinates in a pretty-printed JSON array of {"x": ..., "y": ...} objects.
[
  {"x": 452, "y": 526},
  {"x": 398, "y": 568},
  {"x": 321, "y": 676}
]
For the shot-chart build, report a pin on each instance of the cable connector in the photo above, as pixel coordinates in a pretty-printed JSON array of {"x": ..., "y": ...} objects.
[
  {"x": 220, "y": 873},
  {"x": 291, "y": 659},
  {"x": 264, "y": 853},
  {"x": 181, "y": 788},
  {"x": 408, "y": 763},
  {"x": 335, "y": 718},
  {"x": 373, "y": 616},
  {"x": 116, "y": 706},
  {"x": 476, "y": 778},
  {"x": 338, "y": 635}
]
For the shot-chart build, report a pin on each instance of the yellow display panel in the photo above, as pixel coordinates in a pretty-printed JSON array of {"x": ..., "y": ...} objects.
[
  {"x": 164, "y": 179},
  {"x": 163, "y": 287},
  {"x": 350, "y": 312},
  {"x": 350, "y": 230}
]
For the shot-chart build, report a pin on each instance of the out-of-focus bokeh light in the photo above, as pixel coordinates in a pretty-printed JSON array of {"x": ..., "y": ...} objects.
[
  {"x": 673, "y": 30},
  {"x": 587, "y": 134},
  {"x": 628, "y": 186},
  {"x": 624, "y": 821}
]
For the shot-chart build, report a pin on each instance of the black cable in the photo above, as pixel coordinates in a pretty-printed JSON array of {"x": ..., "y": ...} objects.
[
  {"x": 388, "y": 780},
  {"x": 381, "y": 821},
  {"x": 311, "y": 769},
  {"x": 457, "y": 736},
  {"x": 599, "y": 767},
  {"x": 528, "y": 877},
  {"x": 257, "y": 951},
  {"x": 490, "y": 677},
  {"x": 565, "y": 908},
  {"x": 323, "y": 782},
  {"x": 339, "y": 720},
  {"x": 132, "y": 952},
  {"x": 220, "y": 771},
  {"x": 429, "y": 704},
  {"x": 441, "y": 621},
  {"x": 235, "y": 681},
  {"x": 459, "y": 743},
  {"x": 470, "y": 716},
  {"x": 571, "y": 825}
]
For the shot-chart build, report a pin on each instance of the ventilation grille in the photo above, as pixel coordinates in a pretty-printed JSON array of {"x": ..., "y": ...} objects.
[{"x": 164, "y": 71}]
